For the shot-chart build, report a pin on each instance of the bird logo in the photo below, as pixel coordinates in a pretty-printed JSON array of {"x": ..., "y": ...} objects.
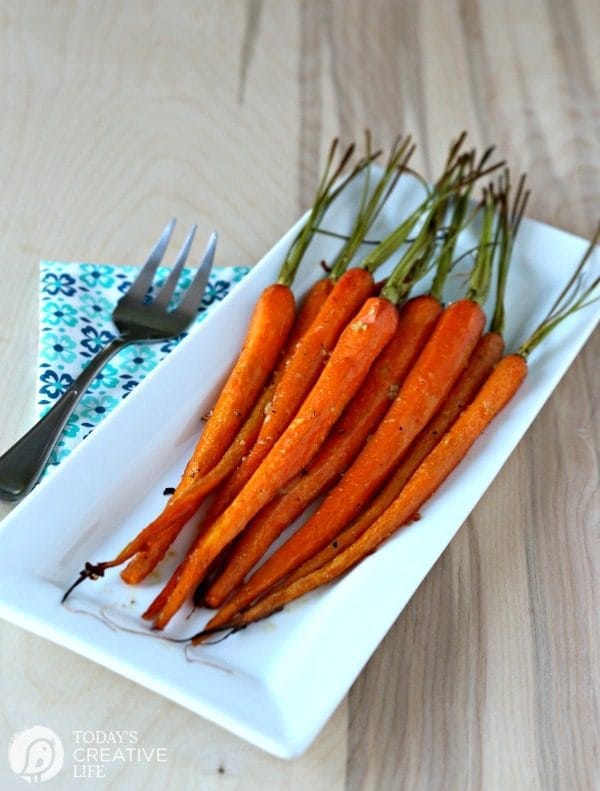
[{"x": 36, "y": 754}]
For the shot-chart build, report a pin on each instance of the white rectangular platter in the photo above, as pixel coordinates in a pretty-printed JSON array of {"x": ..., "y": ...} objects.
[{"x": 275, "y": 683}]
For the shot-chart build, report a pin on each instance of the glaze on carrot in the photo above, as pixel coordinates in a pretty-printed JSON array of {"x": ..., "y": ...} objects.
[
  {"x": 300, "y": 374},
  {"x": 487, "y": 353},
  {"x": 497, "y": 391},
  {"x": 360, "y": 343},
  {"x": 416, "y": 322},
  {"x": 153, "y": 542},
  {"x": 442, "y": 360}
]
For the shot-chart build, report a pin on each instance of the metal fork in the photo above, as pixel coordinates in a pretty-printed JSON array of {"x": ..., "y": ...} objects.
[{"x": 137, "y": 319}]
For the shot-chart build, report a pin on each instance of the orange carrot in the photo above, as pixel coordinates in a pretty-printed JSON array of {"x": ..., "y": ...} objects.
[
  {"x": 288, "y": 395},
  {"x": 365, "y": 412},
  {"x": 410, "y": 268},
  {"x": 360, "y": 343},
  {"x": 269, "y": 326},
  {"x": 325, "y": 193},
  {"x": 487, "y": 353},
  {"x": 300, "y": 374},
  {"x": 276, "y": 306},
  {"x": 416, "y": 321},
  {"x": 304, "y": 367},
  {"x": 438, "y": 366},
  {"x": 308, "y": 311},
  {"x": 497, "y": 391},
  {"x": 154, "y": 541}
]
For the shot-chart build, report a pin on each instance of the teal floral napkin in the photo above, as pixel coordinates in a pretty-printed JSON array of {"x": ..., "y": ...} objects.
[{"x": 76, "y": 302}]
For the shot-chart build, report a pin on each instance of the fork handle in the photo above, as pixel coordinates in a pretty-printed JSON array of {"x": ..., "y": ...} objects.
[{"x": 23, "y": 463}]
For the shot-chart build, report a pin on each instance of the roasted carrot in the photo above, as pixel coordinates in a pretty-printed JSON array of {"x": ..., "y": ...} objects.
[
  {"x": 394, "y": 288},
  {"x": 272, "y": 319},
  {"x": 416, "y": 322},
  {"x": 308, "y": 311},
  {"x": 153, "y": 543},
  {"x": 95, "y": 570},
  {"x": 487, "y": 353},
  {"x": 147, "y": 560},
  {"x": 360, "y": 343},
  {"x": 360, "y": 417},
  {"x": 303, "y": 369},
  {"x": 495, "y": 394},
  {"x": 270, "y": 324},
  {"x": 440, "y": 363},
  {"x": 300, "y": 374},
  {"x": 349, "y": 289},
  {"x": 498, "y": 389},
  {"x": 412, "y": 263}
]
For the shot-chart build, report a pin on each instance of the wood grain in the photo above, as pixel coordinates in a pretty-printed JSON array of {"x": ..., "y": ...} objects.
[{"x": 116, "y": 116}]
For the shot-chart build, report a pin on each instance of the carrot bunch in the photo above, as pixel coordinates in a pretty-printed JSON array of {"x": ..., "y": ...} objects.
[
  {"x": 425, "y": 386},
  {"x": 364, "y": 399},
  {"x": 497, "y": 390},
  {"x": 291, "y": 446},
  {"x": 233, "y": 423},
  {"x": 416, "y": 320}
]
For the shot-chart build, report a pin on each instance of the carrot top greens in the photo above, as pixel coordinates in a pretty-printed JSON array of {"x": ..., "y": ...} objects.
[
  {"x": 572, "y": 298},
  {"x": 326, "y": 193}
]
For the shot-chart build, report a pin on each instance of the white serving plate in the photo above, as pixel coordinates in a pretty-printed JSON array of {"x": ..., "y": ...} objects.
[{"x": 276, "y": 683}]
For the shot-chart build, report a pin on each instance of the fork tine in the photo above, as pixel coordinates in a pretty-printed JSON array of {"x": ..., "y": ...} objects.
[
  {"x": 141, "y": 284},
  {"x": 166, "y": 292},
  {"x": 191, "y": 301}
]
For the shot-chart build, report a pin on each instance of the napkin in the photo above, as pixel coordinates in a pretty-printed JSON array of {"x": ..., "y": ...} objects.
[{"x": 76, "y": 302}]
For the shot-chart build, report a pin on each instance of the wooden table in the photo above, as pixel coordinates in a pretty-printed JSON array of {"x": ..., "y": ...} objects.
[{"x": 118, "y": 115}]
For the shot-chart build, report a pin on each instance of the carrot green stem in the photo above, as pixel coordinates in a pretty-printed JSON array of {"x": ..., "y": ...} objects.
[
  {"x": 446, "y": 254},
  {"x": 395, "y": 239},
  {"x": 571, "y": 299},
  {"x": 326, "y": 193},
  {"x": 412, "y": 265},
  {"x": 399, "y": 236},
  {"x": 372, "y": 205},
  {"x": 481, "y": 274},
  {"x": 418, "y": 258},
  {"x": 505, "y": 237}
]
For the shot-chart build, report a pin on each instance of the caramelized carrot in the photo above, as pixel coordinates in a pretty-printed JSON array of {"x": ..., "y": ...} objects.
[
  {"x": 487, "y": 353},
  {"x": 299, "y": 375},
  {"x": 269, "y": 326},
  {"x": 154, "y": 541},
  {"x": 360, "y": 343},
  {"x": 440, "y": 363},
  {"x": 309, "y": 309},
  {"x": 497, "y": 391},
  {"x": 416, "y": 321}
]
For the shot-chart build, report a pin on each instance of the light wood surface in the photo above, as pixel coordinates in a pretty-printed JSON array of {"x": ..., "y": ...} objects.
[{"x": 117, "y": 115}]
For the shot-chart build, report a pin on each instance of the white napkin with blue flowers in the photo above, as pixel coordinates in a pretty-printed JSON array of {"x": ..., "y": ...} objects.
[{"x": 76, "y": 302}]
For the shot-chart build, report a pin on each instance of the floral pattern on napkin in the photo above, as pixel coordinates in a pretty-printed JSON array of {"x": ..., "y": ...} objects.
[{"x": 76, "y": 303}]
